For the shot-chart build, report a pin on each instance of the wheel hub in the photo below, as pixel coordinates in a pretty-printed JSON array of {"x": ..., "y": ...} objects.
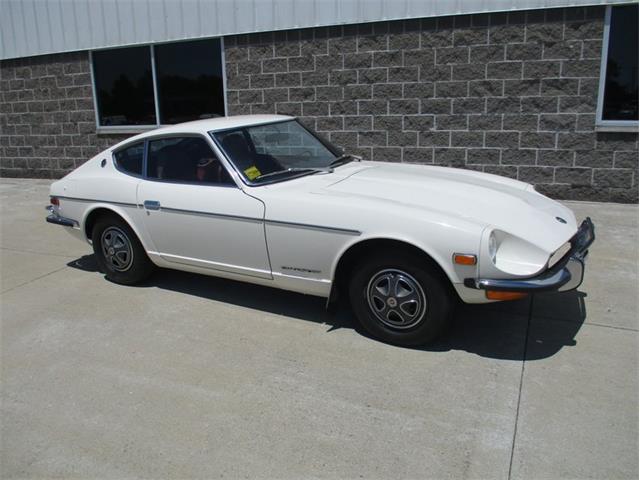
[
  {"x": 396, "y": 299},
  {"x": 117, "y": 249}
]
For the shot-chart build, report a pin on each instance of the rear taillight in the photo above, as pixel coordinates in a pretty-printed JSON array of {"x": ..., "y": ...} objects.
[{"x": 54, "y": 201}]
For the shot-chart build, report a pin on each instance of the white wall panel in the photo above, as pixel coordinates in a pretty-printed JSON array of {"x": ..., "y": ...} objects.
[{"x": 35, "y": 27}]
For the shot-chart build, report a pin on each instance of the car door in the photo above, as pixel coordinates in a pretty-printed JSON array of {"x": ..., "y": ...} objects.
[{"x": 194, "y": 212}]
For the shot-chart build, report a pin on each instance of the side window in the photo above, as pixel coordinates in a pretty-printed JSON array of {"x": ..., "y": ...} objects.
[
  {"x": 129, "y": 160},
  {"x": 185, "y": 159}
]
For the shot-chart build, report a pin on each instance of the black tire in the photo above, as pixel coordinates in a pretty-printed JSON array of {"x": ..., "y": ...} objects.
[
  {"x": 405, "y": 323},
  {"x": 120, "y": 267}
]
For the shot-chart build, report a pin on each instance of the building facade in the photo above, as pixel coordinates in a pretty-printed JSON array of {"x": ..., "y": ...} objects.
[{"x": 535, "y": 95}]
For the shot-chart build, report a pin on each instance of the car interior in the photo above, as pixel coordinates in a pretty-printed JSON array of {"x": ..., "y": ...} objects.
[
  {"x": 187, "y": 159},
  {"x": 244, "y": 154}
]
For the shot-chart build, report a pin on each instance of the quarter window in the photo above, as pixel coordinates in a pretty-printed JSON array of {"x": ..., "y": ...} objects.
[
  {"x": 185, "y": 159},
  {"x": 618, "y": 96},
  {"x": 130, "y": 159},
  {"x": 158, "y": 85}
]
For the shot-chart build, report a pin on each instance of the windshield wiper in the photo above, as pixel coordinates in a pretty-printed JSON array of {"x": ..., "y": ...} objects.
[
  {"x": 341, "y": 159},
  {"x": 295, "y": 169}
]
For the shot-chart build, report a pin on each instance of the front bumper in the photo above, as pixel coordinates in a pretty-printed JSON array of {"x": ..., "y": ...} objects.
[{"x": 565, "y": 275}]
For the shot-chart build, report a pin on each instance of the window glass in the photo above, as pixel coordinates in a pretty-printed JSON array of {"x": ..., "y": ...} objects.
[
  {"x": 124, "y": 86},
  {"x": 185, "y": 159},
  {"x": 130, "y": 159},
  {"x": 266, "y": 149},
  {"x": 621, "y": 79},
  {"x": 188, "y": 81},
  {"x": 189, "y": 76}
]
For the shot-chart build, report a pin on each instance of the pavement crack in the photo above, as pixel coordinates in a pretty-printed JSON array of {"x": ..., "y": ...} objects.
[
  {"x": 626, "y": 329},
  {"x": 524, "y": 360},
  {"x": 37, "y": 253},
  {"x": 32, "y": 280}
]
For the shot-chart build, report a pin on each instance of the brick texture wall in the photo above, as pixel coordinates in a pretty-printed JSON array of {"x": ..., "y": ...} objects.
[
  {"x": 511, "y": 94},
  {"x": 47, "y": 119}
]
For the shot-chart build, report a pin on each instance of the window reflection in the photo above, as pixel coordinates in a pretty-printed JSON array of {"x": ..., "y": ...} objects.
[
  {"x": 189, "y": 76},
  {"x": 124, "y": 86},
  {"x": 621, "y": 82}
]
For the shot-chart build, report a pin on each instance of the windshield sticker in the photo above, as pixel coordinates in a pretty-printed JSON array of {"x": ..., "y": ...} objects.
[{"x": 252, "y": 172}]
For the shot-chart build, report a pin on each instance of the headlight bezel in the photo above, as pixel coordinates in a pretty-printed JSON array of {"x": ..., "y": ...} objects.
[{"x": 511, "y": 255}]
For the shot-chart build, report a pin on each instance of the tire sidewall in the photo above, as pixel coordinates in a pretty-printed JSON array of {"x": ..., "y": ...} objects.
[
  {"x": 141, "y": 266},
  {"x": 438, "y": 300}
]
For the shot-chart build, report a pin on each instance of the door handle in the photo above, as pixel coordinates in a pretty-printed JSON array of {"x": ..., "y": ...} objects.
[{"x": 152, "y": 205}]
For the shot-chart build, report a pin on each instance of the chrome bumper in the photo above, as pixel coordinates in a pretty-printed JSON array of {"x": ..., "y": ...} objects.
[
  {"x": 56, "y": 219},
  {"x": 565, "y": 275}
]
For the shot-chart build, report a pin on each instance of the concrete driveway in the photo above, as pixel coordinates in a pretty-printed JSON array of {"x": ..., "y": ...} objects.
[{"x": 195, "y": 377}]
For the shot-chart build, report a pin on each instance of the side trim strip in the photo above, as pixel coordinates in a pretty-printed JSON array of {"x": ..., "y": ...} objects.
[
  {"x": 260, "y": 220},
  {"x": 343, "y": 231},
  {"x": 210, "y": 214},
  {"x": 93, "y": 200}
]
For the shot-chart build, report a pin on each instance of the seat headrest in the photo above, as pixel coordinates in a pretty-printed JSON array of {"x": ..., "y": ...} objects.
[{"x": 235, "y": 145}]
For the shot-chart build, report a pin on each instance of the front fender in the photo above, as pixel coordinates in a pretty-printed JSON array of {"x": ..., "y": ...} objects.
[{"x": 437, "y": 241}]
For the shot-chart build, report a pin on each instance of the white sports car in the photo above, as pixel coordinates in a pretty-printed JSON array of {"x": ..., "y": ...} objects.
[{"x": 263, "y": 199}]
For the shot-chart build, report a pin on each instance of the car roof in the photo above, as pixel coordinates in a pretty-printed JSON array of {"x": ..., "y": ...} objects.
[{"x": 208, "y": 125}]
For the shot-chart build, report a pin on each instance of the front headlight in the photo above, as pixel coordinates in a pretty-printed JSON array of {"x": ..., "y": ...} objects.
[
  {"x": 493, "y": 247},
  {"x": 515, "y": 255}
]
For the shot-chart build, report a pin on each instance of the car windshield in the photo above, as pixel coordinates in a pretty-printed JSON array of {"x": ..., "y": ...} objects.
[{"x": 277, "y": 151}]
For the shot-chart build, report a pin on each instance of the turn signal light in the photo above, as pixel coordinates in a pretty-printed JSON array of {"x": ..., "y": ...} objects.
[
  {"x": 464, "y": 259},
  {"x": 54, "y": 201},
  {"x": 496, "y": 295}
]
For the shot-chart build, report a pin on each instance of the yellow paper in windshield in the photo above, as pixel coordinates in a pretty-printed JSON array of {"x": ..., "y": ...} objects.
[{"x": 252, "y": 172}]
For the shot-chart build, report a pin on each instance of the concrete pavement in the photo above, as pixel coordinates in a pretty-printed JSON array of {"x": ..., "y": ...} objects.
[{"x": 196, "y": 377}]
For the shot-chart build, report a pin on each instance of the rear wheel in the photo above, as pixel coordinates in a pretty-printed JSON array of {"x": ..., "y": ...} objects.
[
  {"x": 118, "y": 251},
  {"x": 400, "y": 299}
]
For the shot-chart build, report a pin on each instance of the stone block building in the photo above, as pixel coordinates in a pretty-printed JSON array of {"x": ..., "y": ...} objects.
[{"x": 545, "y": 95}]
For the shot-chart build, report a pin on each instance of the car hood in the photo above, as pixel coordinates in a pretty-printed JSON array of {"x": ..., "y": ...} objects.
[{"x": 490, "y": 200}]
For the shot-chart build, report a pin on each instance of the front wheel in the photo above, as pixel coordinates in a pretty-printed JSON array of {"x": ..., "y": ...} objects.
[
  {"x": 119, "y": 253},
  {"x": 400, "y": 299}
]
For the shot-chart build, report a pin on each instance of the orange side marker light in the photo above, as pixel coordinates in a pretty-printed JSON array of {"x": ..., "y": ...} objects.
[
  {"x": 464, "y": 259},
  {"x": 497, "y": 295}
]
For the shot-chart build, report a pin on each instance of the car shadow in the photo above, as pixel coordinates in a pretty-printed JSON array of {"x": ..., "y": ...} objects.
[{"x": 498, "y": 331}]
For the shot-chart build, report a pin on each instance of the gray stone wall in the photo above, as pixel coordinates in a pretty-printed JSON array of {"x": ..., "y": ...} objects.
[
  {"x": 47, "y": 119},
  {"x": 511, "y": 94}
]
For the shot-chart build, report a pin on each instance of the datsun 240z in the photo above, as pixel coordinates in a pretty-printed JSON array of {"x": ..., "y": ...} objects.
[{"x": 263, "y": 199}]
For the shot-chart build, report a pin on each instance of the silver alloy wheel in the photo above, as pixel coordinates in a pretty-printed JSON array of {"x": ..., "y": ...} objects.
[
  {"x": 396, "y": 299},
  {"x": 116, "y": 248}
]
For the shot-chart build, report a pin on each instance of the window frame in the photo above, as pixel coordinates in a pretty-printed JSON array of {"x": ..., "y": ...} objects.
[
  {"x": 119, "y": 168},
  {"x": 128, "y": 129},
  {"x": 153, "y": 138},
  {"x": 601, "y": 124},
  {"x": 145, "y": 176},
  {"x": 240, "y": 177}
]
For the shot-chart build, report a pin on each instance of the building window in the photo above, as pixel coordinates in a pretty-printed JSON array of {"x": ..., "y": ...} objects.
[
  {"x": 618, "y": 94},
  {"x": 189, "y": 76},
  {"x": 156, "y": 85},
  {"x": 124, "y": 87}
]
